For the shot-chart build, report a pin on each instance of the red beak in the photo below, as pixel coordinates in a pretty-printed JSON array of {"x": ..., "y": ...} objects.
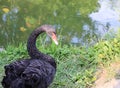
[{"x": 54, "y": 38}]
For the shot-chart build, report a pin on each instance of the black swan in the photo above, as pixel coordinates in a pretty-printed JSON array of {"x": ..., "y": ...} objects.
[{"x": 36, "y": 72}]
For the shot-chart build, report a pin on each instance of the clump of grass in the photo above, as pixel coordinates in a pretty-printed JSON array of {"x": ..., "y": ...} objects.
[{"x": 107, "y": 50}]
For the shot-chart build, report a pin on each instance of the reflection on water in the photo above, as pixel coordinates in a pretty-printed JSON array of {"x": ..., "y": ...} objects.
[
  {"x": 81, "y": 23},
  {"x": 108, "y": 15}
]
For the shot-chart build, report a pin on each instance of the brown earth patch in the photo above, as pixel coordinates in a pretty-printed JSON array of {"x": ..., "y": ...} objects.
[{"x": 108, "y": 77}]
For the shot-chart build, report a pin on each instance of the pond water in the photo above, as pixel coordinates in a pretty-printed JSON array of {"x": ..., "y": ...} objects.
[{"x": 77, "y": 22}]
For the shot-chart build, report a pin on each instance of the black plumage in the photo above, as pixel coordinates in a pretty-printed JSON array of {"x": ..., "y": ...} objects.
[{"x": 36, "y": 72}]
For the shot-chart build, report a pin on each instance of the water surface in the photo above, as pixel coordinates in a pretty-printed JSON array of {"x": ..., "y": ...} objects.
[{"x": 77, "y": 22}]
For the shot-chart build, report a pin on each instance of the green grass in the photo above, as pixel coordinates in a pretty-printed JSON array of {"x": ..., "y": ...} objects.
[{"x": 76, "y": 66}]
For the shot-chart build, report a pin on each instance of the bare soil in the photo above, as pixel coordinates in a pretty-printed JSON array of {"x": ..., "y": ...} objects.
[{"x": 108, "y": 77}]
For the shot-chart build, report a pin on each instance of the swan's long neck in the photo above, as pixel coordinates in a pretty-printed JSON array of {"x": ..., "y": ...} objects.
[
  {"x": 31, "y": 44},
  {"x": 34, "y": 52}
]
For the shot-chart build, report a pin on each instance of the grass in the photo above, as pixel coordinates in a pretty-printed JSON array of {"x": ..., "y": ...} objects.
[{"x": 76, "y": 66}]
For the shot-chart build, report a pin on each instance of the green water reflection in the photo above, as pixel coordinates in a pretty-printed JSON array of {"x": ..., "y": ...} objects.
[{"x": 70, "y": 17}]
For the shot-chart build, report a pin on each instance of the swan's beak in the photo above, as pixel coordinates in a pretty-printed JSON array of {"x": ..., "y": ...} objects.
[{"x": 54, "y": 38}]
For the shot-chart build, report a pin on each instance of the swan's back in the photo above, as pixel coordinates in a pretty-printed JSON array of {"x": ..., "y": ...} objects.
[{"x": 29, "y": 73}]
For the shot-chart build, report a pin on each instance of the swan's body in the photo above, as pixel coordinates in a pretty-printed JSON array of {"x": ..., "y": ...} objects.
[{"x": 36, "y": 72}]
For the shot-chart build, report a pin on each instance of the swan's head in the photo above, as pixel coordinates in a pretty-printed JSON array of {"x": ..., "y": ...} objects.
[{"x": 50, "y": 30}]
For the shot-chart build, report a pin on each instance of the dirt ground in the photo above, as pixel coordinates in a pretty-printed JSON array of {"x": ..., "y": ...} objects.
[{"x": 108, "y": 77}]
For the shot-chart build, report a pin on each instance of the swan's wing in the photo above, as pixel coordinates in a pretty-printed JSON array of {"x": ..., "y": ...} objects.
[
  {"x": 13, "y": 71},
  {"x": 39, "y": 73}
]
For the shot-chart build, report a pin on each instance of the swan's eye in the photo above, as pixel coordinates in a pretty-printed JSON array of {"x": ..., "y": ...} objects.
[{"x": 49, "y": 34}]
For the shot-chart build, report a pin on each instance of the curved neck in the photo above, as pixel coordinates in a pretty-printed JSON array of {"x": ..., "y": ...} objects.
[
  {"x": 31, "y": 44},
  {"x": 34, "y": 52}
]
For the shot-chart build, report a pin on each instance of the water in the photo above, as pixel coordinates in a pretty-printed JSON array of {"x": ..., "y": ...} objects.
[{"x": 77, "y": 22}]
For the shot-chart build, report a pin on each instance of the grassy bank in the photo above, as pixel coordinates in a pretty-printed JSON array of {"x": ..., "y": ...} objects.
[{"x": 76, "y": 66}]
